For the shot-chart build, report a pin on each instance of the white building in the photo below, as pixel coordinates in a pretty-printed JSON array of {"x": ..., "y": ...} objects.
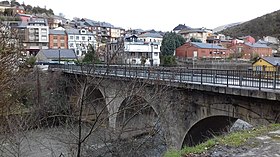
[
  {"x": 151, "y": 37},
  {"x": 140, "y": 52},
  {"x": 116, "y": 33},
  {"x": 79, "y": 40}
]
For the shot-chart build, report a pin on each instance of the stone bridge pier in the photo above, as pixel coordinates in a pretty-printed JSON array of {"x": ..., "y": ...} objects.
[{"x": 186, "y": 116}]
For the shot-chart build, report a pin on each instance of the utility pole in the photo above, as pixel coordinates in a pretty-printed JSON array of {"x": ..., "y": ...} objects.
[
  {"x": 152, "y": 60},
  {"x": 59, "y": 55}
]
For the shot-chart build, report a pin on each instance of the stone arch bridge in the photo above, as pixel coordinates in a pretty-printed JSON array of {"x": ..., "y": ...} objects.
[{"x": 188, "y": 112}]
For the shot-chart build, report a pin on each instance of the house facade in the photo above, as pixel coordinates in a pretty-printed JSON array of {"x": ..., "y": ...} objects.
[
  {"x": 116, "y": 33},
  {"x": 131, "y": 50},
  {"x": 248, "y": 39},
  {"x": 195, "y": 33},
  {"x": 195, "y": 50},
  {"x": 25, "y": 17},
  {"x": 249, "y": 51},
  {"x": 55, "y": 21},
  {"x": 139, "y": 52},
  {"x": 267, "y": 64},
  {"x": 4, "y": 6},
  {"x": 79, "y": 40},
  {"x": 58, "y": 39},
  {"x": 34, "y": 35}
]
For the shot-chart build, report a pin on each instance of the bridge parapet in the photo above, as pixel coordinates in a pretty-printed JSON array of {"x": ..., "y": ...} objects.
[{"x": 256, "y": 84}]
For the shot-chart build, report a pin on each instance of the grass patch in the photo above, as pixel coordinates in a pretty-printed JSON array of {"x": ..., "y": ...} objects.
[
  {"x": 234, "y": 139},
  {"x": 194, "y": 150}
]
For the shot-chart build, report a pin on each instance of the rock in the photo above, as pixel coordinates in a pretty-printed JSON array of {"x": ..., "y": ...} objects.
[{"x": 240, "y": 125}]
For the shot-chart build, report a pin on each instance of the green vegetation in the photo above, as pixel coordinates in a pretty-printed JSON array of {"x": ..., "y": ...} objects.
[
  {"x": 28, "y": 8},
  {"x": 90, "y": 56},
  {"x": 168, "y": 60},
  {"x": 9, "y": 18},
  {"x": 39, "y": 10},
  {"x": 170, "y": 42},
  {"x": 30, "y": 62},
  {"x": 267, "y": 25},
  {"x": 234, "y": 139}
]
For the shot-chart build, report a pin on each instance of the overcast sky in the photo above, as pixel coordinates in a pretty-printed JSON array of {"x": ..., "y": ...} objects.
[{"x": 161, "y": 14}]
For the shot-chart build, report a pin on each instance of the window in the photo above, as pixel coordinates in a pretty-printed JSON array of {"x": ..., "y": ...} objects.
[
  {"x": 89, "y": 38},
  {"x": 71, "y": 45},
  {"x": 44, "y": 37},
  {"x": 61, "y": 37},
  {"x": 132, "y": 54},
  {"x": 44, "y": 31},
  {"x": 54, "y": 37},
  {"x": 62, "y": 44},
  {"x": 258, "y": 68},
  {"x": 77, "y": 38},
  {"x": 83, "y": 38},
  {"x": 71, "y": 37},
  {"x": 156, "y": 54},
  {"x": 55, "y": 44}
]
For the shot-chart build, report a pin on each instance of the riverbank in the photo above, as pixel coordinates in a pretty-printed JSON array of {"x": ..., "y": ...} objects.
[{"x": 260, "y": 141}]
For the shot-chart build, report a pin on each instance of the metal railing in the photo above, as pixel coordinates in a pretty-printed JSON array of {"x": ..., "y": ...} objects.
[{"x": 238, "y": 78}]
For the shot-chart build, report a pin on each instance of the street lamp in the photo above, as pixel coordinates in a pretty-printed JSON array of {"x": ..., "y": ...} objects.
[{"x": 59, "y": 55}]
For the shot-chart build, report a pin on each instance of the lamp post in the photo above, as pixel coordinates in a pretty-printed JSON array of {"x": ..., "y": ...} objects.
[{"x": 58, "y": 55}]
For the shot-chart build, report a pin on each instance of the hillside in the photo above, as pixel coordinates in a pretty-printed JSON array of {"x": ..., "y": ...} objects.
[
  {"x": 221, "y": 28},
  {"x": 28, "y": 8},
  {"x": 267, "y": 25}
]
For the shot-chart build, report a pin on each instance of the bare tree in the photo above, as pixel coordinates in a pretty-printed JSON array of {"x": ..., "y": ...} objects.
[
  {"x": 89, "y": 132},
  {"x": 73, "y": 110}
]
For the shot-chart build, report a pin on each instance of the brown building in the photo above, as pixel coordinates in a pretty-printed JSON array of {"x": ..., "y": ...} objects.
[
  {"x": 195, "y": 50},
  {"x": 58, "y": 39},
  {"x": 249, "y": 51}
]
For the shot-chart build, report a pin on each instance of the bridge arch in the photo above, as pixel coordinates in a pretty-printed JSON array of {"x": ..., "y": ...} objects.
[
  {"x": 136, "y": 115},
  {"x": 95, "y": 107},
  {"x": 207, "y": 128}
]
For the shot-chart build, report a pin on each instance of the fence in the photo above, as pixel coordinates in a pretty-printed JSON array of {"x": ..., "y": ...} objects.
[{"x": 238, "y": 78}]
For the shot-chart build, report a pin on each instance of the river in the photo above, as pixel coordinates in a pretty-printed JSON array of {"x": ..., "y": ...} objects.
[{"x": 59, "y": 141}]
